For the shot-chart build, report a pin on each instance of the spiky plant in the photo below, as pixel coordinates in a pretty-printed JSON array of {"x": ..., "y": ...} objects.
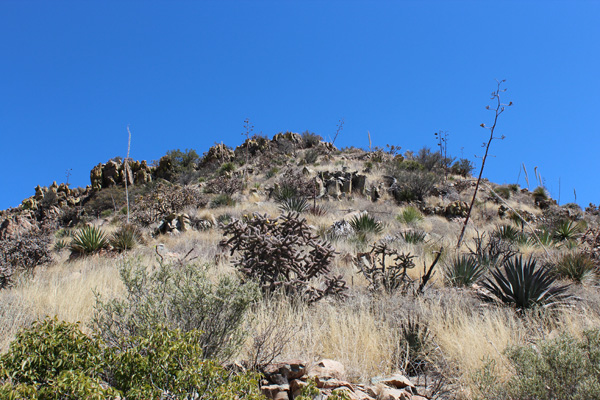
[
  {"x": 567, "y": 231},
  {"x": 317, "y": 210},
  {"x": 293, "y": 204},
  {"x": 61, "y": 244},
  {"x": 545, "y": 237},
  {"x": 577, "y": 267},
  {"x": 413, "y": 236},
  {"x": 463, "y": 270},
  {"x": 88, "y": 240},
  {"x": 510, "y": 234},
  {"x": 410, "y": 215},
  {"x": 522, "y": 285},
  {"x": 364, "y": 224},
  {"x": 126, "y": 238}
]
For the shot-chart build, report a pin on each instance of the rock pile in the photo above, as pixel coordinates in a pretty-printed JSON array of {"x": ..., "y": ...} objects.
[
  {"x": 115, "y": 172},
  {"x": 55, "y": 195},
  {"x": 340, "y": 184},
  {"x": 285, "y": 380}
]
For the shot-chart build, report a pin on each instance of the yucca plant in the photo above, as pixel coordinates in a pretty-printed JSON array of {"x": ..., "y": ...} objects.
[
  {"x": 413, "y": 236},
  {"x": 522, "y": 285},
  {"x": 546, "y": 238},
  {"x": 317, "y": 210},
  {"x": 510, "y": 234},
  {"x": 87, "y": 240},
  {"x": 365, "y": 224},
  {"x": 577, "y": 267},
  {"x": 293, "y": 204},
  {"x": 126, "y": 238},
  {"x": 410, "y": 215},
  {"x": 463, "y": 270},
  {"x": 567, "y": 231},
  {"x": 61, "y": 244}
]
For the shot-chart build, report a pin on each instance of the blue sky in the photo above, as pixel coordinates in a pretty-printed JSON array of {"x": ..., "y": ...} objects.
[{"x": 186, "y": 74}]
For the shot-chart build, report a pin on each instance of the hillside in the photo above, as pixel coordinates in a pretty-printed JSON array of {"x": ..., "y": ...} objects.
[{"x": 291, "y": 251}]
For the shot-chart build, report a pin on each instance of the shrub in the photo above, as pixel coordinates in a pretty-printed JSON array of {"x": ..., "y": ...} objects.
[
  {"x": 561, "y": 368},
  {"x": 126, "y": 238},
  {"x": 522, "y": 285},
  {"x": 318, "y": 210},
  {"x": 385, "y": 269},
  {"x": 410, "y": 215},
  {"x": 283, "y": 255},
  {"x": 293, "y": 204},
  {"x": 222, "y": 200},
  {"x": 578, "y": 267},
  {"x": 310, "y": 139},
  {"x": 55, "y": 360},
  {"x": 463, "y": 270},
  {"x": 182, "y": 298},
  {"x": 293, "y": 183},
  {"x": 544, "y": 237},
  {"x": 272, "y": 172},
  {"x": 462, "y": 167},
  {"x": 224, "y": 185},
  {"x": 539, "y": 193},
  {"x": 413, "y": 185},
  {"x": 415, "y": 346},
  {"x": 164, "y": 199},
  {"x": 510, "y": 233},
  {"x": 491, "y": 251},
  {"x": 88, "y": 240},
  {"x": 503, "y": 192},
  {"x": 226, "y": 168},
  {"x": 413, "y": 236},
  {"x": 31, "y": 250},
  {"x": 61, "y": 244}
]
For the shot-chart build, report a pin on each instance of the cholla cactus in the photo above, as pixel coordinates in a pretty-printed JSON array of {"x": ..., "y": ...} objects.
[{"x": 283, "y": 255}]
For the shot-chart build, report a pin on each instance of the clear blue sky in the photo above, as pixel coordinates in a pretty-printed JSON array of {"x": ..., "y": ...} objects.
[{"x": 74, "y": 74}]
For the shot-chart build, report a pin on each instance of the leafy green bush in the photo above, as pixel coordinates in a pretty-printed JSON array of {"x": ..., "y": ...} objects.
[
  {"x": 522, "y": 285},
  {"x": 563, "y": 368},
  {"x": 410, "y": 215},
  {"x": 126, "y": 238},
  {"x": 463, "y": 270},
  {"x": 578, "y": 267},
  {"x": 55, "y": 360},
  {"x": 180, "y": 297},
  {"x": 88, "y": 240}
]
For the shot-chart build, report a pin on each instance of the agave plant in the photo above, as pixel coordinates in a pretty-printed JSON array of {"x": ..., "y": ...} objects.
[
  {"x": 523, "y": 285},
  {"x": 463, "y": 270},
  {"x": 545, "y": 237},
  {"x": 413, "y": 236},
  {"x": 126, "y": 238},
  {"x": 293, "y": 204},
  {"x": 87, "y": 240},
  {"x": 567, "y": 231},
  {"x": 578, "y": 267},
  {"x": 364, "y": 224}
]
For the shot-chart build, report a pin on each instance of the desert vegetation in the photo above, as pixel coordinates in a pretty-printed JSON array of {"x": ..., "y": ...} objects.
[{"x": 290, "y": 249}]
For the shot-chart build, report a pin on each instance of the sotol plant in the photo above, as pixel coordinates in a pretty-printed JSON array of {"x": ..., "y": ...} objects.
[
  {"x": 88, "y": 240},
  {"x": 463, "y": 270}
]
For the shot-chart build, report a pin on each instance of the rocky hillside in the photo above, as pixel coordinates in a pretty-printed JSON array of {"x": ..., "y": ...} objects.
[{"x": 284, "y": 254}]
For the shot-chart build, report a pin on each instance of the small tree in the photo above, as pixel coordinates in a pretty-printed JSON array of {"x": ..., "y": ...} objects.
[{"x": 500, "y": 107}]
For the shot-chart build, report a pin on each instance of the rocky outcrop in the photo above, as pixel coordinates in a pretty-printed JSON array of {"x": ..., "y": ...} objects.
[
  {"x": 55, "y": 196},
  {"x": 173, "y": 224},
  {"x": 219, "y": 153},
  {"x": 287, "y": 136},
  {"x": 340, "y": 184},
  {"x": 114, "y": 172},
  {"x": 285, "y": 380}
]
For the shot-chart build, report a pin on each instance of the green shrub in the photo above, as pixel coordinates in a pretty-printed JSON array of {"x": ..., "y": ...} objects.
[
  {"x": 126, "y": 238},
  {"x": 462, "y": 167},
  {"x": 510, "y": 234},
  {"x": 410, "y": 215},
  {"x": 272, "y": 172},
  {"x": 174, "y": 363},
  {"x": 61, "y": 244},
  {"x": 521, "y": 284},
  {"x": 413, "y": 185},
  {"x": 88, "y": 240},
  {"x": 503, "y": 192},
  {"x": 563, "y": 368},
  {"x": 540, "y": 193},
  {"x": 181, "y": 297},
  {"x": 578, "y": 267},
  {"x": 310, "y": 139},
  {"x": 463, "y": 270},
  {"x": 222, "y": 200},
  {"x": 55, "y": 360},
  {"x": 226, "y": 168},
  {"x": 311, "y": 156}
]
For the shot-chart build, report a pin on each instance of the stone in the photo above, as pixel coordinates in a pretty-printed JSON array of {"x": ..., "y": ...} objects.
[
  {"x": 393, "y": 394},
  {"x": 397, "y": 381},
  {"x": 290, "y": 369},
  {"x": 359, "y": 184},
  {"x": 276, "y": 392},
  {"x": 327, "y": 369},
  {"x": 333, "y": 189},
  {"x": 110, "y": 173}
]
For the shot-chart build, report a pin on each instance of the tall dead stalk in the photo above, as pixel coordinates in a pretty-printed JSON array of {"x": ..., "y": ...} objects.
[{"x": 498, "y": 110}]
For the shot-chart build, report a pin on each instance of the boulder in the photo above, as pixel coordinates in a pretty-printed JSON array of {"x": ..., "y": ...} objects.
[
  {"x": 327, "y": 369},
  {"x": 397, "y": 381}
]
